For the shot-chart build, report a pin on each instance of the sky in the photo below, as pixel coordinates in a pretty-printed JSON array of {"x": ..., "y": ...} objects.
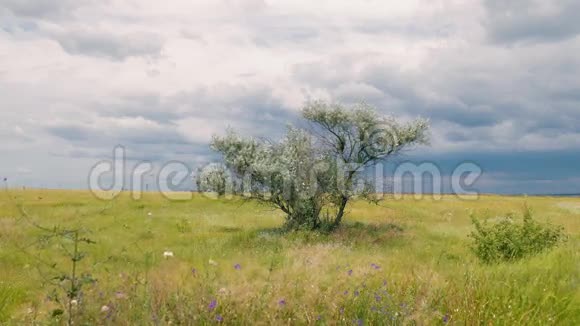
[{"x": 499, "y": 80}]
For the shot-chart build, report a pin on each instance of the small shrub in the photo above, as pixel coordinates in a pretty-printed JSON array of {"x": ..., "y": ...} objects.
[
  {"x": 184, "y": 226},
  {"x": 507, "y": 240}
]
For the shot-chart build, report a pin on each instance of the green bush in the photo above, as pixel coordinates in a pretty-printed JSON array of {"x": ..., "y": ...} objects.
[{"x": 508, "y": 240}]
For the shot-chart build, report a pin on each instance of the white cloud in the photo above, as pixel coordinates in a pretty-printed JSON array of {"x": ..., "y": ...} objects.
[{"x": 77, "y": 77}]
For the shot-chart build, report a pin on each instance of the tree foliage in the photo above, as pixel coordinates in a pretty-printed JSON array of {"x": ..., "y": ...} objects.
[
  {"x": 312, "y": 173},
  {"x": 214, "y": 178}
]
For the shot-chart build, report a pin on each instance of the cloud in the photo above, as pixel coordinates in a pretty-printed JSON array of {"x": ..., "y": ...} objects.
[
  {"x": 42, "y": 8},
  {"x": 109, "y": 45},
  {"x": 14, "y": 133},
  {"x": 128, "y": 131},
  {"x": 79, "y": 77},
  {"x": 249, "y": 107},
  {"x": 532, "y": 21},
  {"x": 74, "y": 133}
]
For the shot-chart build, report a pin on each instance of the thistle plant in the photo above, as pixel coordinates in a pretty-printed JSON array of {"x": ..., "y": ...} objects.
[
  {"x": 71, "y": 281},
  {"x": 68, "y": 281}
]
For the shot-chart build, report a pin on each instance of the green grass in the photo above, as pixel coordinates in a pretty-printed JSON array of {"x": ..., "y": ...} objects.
[{"x": 427, "y": 273}]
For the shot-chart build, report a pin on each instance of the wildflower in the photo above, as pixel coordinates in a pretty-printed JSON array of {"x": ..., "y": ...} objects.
[
  {"x": 219, "y": 318},
  {"x": 445, "y": 318},
  {"x": 356, "y": 293},
  {"x": 149, "y": 214},
  {"x": 120, "y": 295},
  {"x": 212, "y": 305},
  {"x": 237, "y": 266},
  {"x": 193, "y": 271},
  {"x": 213, "y": 262},
  {"x": 349, "y": 272},
  {"x": 319, "y": 317},
  {"x": 359, "y": 322},
  {"x": 282, "y": 302},
  {"x": 167, "y": 254},
  {"x": 375, "y": 266},
  {"x": 345, "y": 292},
  {"x": 105, "y": 308},
  {"x": 74, "y": 302},
  {"x": 377, "y": 297}
]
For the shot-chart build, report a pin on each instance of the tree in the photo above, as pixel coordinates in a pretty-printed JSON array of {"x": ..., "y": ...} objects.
[
  {"x": 312, "y": 173},
  {"x": 213, "y": 178}
]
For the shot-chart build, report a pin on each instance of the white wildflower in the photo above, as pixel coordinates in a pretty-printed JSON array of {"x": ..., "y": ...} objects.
[
  {"x": 105, "y": 308},
  {"x": 213, "y": 262},
  {"x": 167, "y": 254}
]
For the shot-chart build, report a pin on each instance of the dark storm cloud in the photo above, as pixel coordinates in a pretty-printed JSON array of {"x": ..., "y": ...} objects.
[
  {"x": 531, "y": 172},
  {"x": 41, "y": 8},
  {"x": 74, "y": 133},
  {"x": 141, "y": 142},
  {"x": 397, "y": 92},
  {"x": 114, "y": 133},
  {"x": 150, "y": 106},
  {"x": 109, "y": 45},
  {"x": 156, "y": 127},
  {"x": 533, "y": 21},
  {"x": 483, "y": 96},
  {"x": 250, "y": 107}
]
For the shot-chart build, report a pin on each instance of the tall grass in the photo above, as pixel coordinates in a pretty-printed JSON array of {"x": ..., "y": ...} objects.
[{"x": 402, "y": 262}]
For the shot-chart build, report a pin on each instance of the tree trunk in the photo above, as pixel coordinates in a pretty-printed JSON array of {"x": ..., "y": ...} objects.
[{"x": 340, "y": 213}]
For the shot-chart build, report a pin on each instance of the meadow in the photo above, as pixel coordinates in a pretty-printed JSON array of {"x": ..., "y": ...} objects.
[{"x": 201, "y": 261}]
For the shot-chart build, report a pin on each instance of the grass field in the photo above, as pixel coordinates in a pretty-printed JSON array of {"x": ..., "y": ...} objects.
[{"x": 401, "y": 262}]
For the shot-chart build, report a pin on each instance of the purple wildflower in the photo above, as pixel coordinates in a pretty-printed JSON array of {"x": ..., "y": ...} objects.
[
  {"x": 193, "y": 271},
  {"x": 377, "y": 297},
  {"x": 359, "y": 322},
  {"x": 282, "y": 302},
  {"x": 349, "y": 272},
  {"x": 212, "y": 305},
  {"x": 345, "y": 292},
  {"x": 445, "y": 318},
  {"x": 319, "y": 317},
  {"x": 219, "y": 318},
  {"x": 237, "y": 266},
  {"x": 375, "y": 266},
  {"x": 356, "y": 293}
]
